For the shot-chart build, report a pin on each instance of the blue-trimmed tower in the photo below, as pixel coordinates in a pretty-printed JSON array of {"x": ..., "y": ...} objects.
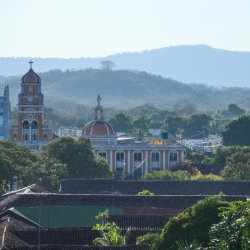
[{"x": 5, "y": 114}]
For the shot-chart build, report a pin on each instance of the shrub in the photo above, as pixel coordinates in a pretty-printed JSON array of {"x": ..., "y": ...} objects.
[{"x": 146, "y": 192}]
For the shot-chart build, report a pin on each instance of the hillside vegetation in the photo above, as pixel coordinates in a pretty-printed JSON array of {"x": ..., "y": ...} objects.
[{"x": 125, "y": 89}]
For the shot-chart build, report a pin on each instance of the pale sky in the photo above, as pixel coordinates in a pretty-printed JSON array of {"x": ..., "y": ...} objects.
[{"x": 93, "y": 28}]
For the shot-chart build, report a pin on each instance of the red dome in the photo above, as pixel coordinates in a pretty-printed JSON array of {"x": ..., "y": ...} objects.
[{"x": 98, "y": 128}]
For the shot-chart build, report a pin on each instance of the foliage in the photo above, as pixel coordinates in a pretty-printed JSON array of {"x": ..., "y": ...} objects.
[
  {"x": 79, "y": 158},
  {"x": 121, "y": 122},
  {"x": 206, "y": 177},
  {"x": 48, "y": 172},
  {"x": 150, "y": 239},
  {"x": 19, "y": 165},
  {"x": 237, "y": 132},
  {"x": 166, "y": 175},
  {"x": 192, "y": 224},
  {"x": 180, "y": 175},
  {"x": 146, "y": 192},
  {"x": 107, "y": 64},
  {"x": 233, "y": 231},
  {"x": 16, "y": 164},
  {"x": 233, "y": 110},
  {"x": 183, "y": 245},
  {"x": 237, "y": 167},
  {"x": 110, "y": 232},
  {"x": 223, "y": 153},
  {"x": 197, "y": 126},
  {"x": 194, "y": 126},
  {"x": 172, "y": 124}
]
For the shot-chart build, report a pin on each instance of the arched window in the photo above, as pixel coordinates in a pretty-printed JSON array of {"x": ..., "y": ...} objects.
[
  {"x": 103, "y": 155},
  {"x": 26, "y": 124},
  {"x": 155, "y": 160},
  {"x": 119, "y": 160},
  {"x": 34, "y": 125},
  {"x": 173, "y": 158}
]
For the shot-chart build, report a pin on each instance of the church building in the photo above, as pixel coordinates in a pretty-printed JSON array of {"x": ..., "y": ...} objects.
[
  {"x": 125, "y": 154},
  {"x": 32, "y": 129}
]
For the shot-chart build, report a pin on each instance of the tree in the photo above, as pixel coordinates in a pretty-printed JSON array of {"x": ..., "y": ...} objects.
[
  {"x": 237, "y": 167},
  {"x": 235, "y": 110},
  {"x": 107, "y": 64},
  {"x": 79, "y": 158},
  {"x": 233, "y": 231},
  {"x": 16, "y": 163},
  {"x": 237, "y": 132},
  {"x": 110, "y": 232},
  {"x": 173, "y": 124},
  {"x": 121, "y": 122},
  {"x": 192, "y": 224},
  {"x": 48, "y": 172},
  {"x": 198, "y": 125}
]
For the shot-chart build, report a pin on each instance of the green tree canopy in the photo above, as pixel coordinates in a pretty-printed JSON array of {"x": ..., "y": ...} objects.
[
  {"x": 237, "y": 132},
  {"x": 16, "y": 164},
  {"x": 235, "y": 110},
  {"x": 121, "y": 122},
  {"x": 237, "y": 167},
  {"x": 192, "y": 225},
  {"x": 79, "y": 158},
  {"x": 233, "y": 231}
]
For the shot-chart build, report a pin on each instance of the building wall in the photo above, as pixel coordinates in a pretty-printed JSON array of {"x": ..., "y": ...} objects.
[{"x": 146, "y": 161}]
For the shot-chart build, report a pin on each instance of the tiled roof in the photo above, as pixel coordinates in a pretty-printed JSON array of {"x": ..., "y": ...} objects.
[
  {"x": 95, "y": 186},
  {"x": 34, "y": 188},
  {"x": 98, "y": 128},
  {"x": 123, "y": 201}
]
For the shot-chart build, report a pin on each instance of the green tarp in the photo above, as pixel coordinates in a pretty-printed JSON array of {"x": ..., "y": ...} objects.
[{"x": 62, "y": 216}]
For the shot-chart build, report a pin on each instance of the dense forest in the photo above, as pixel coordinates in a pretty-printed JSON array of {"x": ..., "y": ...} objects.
[{"x": 126, "y": 89}]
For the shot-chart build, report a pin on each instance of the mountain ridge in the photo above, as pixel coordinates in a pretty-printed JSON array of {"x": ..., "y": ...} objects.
[{"x": 186, "y": 63}]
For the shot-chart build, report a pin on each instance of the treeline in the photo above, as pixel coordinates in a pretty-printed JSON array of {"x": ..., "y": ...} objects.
[
  {"x": 63, "y": 158},
  {"x": 132, "y": 88}
]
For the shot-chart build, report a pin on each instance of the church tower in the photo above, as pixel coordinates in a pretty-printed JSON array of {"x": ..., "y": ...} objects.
[{"x": 31, "y": 128}]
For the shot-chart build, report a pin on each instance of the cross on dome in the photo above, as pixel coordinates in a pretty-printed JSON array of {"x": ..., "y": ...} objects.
[
  {"x": 31, "y": 62},
  {"x": 99, "y": 100}
]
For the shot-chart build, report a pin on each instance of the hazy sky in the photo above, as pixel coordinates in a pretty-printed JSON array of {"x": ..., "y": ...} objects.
[{"x": 82, "y": 28}]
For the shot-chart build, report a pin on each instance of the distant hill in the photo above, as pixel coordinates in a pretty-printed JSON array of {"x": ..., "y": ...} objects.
[
  {"x": 189, "y": 63},
  {"x": 125, "y": 89}
]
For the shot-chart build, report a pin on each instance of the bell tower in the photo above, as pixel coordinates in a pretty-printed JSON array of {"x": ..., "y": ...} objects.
[{"x": 31, "y": 110}]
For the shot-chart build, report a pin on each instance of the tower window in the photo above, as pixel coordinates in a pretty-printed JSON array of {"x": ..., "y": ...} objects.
[
  {"x": 34, "y": 137},
  {"x": 26, "y": 137},
  {"x": 34, "y": 125},
  {"x": 26, "y": 125}
]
